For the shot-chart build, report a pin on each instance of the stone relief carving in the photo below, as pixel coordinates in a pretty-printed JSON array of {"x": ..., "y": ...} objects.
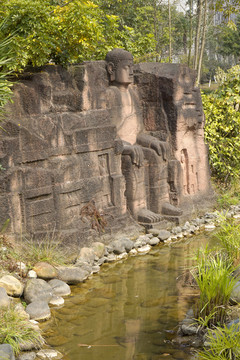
[
  {"x": 88, "y": 134},
  {"x": 144, "y": 157}
]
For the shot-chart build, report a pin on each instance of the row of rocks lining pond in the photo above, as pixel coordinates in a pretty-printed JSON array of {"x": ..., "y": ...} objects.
[{"x": 47, "y": 285}]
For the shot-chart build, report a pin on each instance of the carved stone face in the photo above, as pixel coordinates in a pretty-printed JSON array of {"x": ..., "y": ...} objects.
[{"x": 124, "y": 72}]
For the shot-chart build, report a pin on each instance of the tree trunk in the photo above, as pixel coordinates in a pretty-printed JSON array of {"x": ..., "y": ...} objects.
[
  {"x": 190, "y": 32},
  {"x": 197, "y": 38},
  {"x": 170, "y": 31},
  {"x": 204, "y": 30}
]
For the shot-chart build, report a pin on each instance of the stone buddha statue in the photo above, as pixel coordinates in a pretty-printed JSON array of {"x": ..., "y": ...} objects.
[{"x": 144, "y": 157}]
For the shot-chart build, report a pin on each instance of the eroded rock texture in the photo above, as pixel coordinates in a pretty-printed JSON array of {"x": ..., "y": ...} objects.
[{"x": 63, "y": 167}]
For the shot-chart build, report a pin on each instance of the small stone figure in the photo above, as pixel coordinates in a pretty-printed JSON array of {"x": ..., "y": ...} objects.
[{"x": 144, "y": 158}]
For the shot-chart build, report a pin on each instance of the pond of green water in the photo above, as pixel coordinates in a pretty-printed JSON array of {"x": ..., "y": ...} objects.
[{"x": 129, "y": 310}]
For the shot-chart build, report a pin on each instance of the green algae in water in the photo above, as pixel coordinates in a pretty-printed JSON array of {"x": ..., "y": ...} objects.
[{"x": 134, "y": 317}]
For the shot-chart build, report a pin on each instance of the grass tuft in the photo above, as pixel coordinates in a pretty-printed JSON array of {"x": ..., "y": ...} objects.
[
  {"x": 224, "y": 344},
  {"x": 228, "y": 194},
  {"x": 229, "y": 237},
  {"x": 213, "y": 277},
  {"x": 15, "y": 329},
  {"x": 47, "y": 249}
]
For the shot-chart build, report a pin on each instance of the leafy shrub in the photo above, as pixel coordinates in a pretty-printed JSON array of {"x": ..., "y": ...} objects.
[{"x": 222, "y": 110}]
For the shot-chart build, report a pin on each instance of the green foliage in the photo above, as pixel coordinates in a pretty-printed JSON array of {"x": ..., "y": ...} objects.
[
  {"x": 35, "y": 38},
  {"x": 222, "y": 110},
  {"x": 15, "y": 329},
  {"x": 213, "y": 277},
  {"x": 228, "y": 195},
  {"x": 145, "y": 27},
  {"x": 229, "y": 39},
  {"x": 229, "y": 237},
  {"x": 63, "y": 31},
  {"x": 5, "y": 60},
  {"x": 66, "y": 32},
  {"x": 224, "y": 344}
]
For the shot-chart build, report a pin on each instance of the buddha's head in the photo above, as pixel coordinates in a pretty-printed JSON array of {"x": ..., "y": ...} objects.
[{"x": 120, "y": 67}]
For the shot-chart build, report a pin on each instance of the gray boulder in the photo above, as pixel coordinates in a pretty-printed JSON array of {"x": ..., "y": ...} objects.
[
  {"x": 153, "y": 231},
  {"x": 128, "y": 244},
  {"x": 4, "y": 299},
  {"x": 38, "y": 310},
  {"x": 72, "y": 275},
  {"x": 164, "y": 235},
  {"x": 37, "y": 289},
  {"x": 84, "y": 265},
  {"x": 59, "y": 287},
  {"x": 6, "y": 352},
  {"x": 176, "y": 230},
  {"x": 117, "y": 247}
]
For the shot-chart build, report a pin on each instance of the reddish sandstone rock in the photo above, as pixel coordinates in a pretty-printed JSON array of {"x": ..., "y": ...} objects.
[{"x": 45, "y": 271}]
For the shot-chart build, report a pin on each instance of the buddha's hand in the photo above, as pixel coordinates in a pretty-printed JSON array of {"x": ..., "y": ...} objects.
[
  {"x": 160, "y": 147},
  {"x": 135, "y": 152},
  {"x": 148, "y": 141}
]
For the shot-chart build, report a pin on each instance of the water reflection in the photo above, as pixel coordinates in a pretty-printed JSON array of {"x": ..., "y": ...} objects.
[{"x": 127, "y": 311}]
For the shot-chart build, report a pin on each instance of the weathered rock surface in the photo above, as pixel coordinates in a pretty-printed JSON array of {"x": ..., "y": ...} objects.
[
  {"x": 38, "y": 310},
  {"x": 49, "y": 354},
  {"x": 31, "y": 345},
  {"x": 188, "y": 328},
  {"x": 32, "y": 274},
  {"x": 59, "y": 287},
  {"x": 81, "y": 263},
  {"x": 72, "y": 275},
  {"x": 6, "y": 352},
  {"x": 37, "y": 289},
  {"x": 30, "y": 355},
  {"x": 56, "y": 301},
  {"x": 154, "y": 241},
  {"x": 87, "y": 255},
  {"x": 22, "y": 268},
  {"x": 144, "y": 249},
  {"x": 4, "y": 299},
  {"x": 235, "y": 296},
  {"x": 128, "y": 244},
  {"x": 20, "y": 309},
  {"x": 45, "y": 271},
  {"x": 98, "y": 248},
  {"x": 153, "y": 231},
  {"x": 96, "y": 269},
  {"x": 117, "y": 247},
  {"x": 12, "y": 285}
]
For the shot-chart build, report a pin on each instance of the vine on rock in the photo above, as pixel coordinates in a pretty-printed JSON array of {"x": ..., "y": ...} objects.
[{"x": 96, "y": 218}]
